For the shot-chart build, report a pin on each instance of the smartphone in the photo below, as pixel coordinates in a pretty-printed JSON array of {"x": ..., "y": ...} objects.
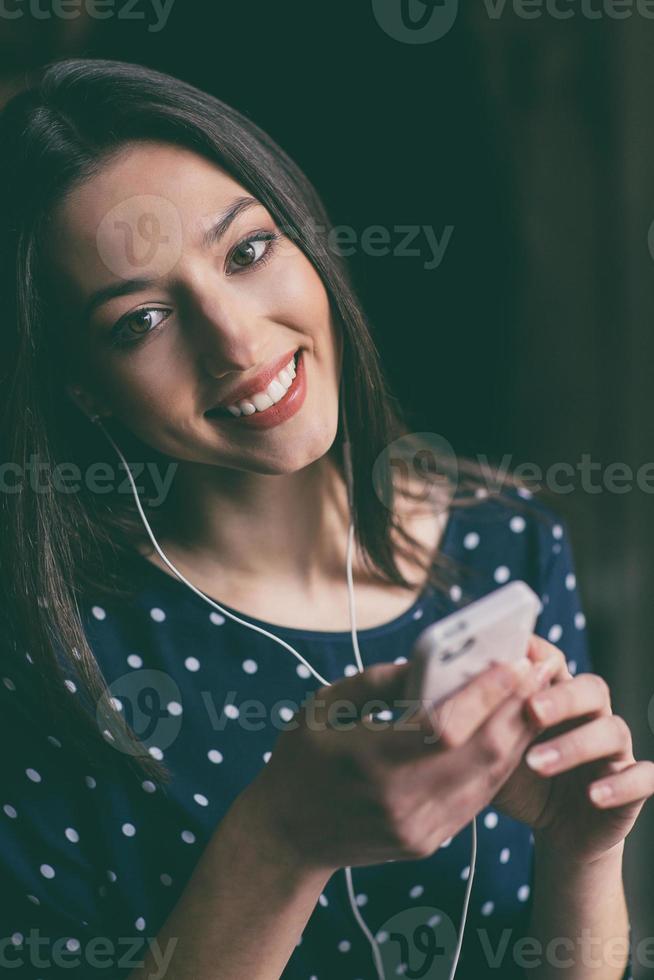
[{"x": 455, "y": 649}]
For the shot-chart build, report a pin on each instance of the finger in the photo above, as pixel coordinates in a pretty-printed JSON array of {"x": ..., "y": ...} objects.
[
  {"x": 583, "y": 695},
  {"x": 540, "y": 649},
  {"x": 599, "y": 739},
  {"x": 631, "y": 785},
  {"x": 423, "y": 725}
]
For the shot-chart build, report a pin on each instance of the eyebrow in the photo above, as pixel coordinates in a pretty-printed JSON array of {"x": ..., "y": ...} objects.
[{"x": 125, "y": 287}]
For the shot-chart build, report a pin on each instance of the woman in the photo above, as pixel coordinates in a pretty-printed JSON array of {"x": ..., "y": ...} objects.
[{"x": 162, "y": 265}]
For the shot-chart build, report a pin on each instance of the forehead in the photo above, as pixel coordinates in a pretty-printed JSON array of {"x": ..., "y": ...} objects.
[{"x": 146, "y": 204}]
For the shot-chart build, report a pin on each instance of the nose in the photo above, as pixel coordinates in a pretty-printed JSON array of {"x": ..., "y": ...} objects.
[{"x": 226, "y": 326}]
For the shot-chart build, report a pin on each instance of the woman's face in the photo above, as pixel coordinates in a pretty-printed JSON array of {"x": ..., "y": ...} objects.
[{"x": 168, "y": 315}]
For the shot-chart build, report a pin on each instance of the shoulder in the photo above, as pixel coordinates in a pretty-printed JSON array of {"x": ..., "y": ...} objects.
[{"x": 513, "y": 536}]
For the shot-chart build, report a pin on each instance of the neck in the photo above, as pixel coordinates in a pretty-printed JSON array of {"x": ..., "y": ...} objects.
[{"x": 247, "y": 526}]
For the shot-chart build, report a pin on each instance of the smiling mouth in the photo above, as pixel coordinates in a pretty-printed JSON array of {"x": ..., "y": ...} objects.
[{"x": 275, "y": 393}]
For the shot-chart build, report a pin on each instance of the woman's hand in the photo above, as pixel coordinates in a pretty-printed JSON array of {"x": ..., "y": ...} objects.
[
  {"x": 342, "y": 788},
  {"x": 575, "y": 718}
]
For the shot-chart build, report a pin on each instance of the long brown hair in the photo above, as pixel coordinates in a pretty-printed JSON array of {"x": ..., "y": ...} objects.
[{"x": 56, "y": 547}]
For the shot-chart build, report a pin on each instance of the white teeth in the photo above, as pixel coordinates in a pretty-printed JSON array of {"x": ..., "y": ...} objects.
[
  {"x": 261, "y": 401},
  {"x": 272, "y": 394}
]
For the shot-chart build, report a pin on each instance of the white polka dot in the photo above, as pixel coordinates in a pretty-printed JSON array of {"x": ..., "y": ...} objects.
[
  {"x": 155, "y": 752},
  {"x": 323, "y": 900},
  {"x": 216, "y": 618},
  {"x": 71, "y": 834},
  {"x": 361, "y": 899},
  {"x": 286, "y": 713},
  {"x": 112, "y": 876},
  {"x": 487, "y": 908},
  {"x": 400, "y": 660},
  {"x": 266, "y": 756},
  {"x": 456, "y": 593},
  {"x": 28, "y": 658},
  {"x": 215, "y": 756},
  {"x": 174, "y": 708},
  {"x": 434, "y": 920},
  {"x": 580, "y": 620},
  {"x": 33, "y": 899},
  {"x": 303, "y": 671},
  {"x": 572, "y": 666},
  {"x": 165, "y": 879},
  {"x": 116, "y": 703},
  {"x": 200, "y": 799},
  {"x": 481, "y": 493},
  {"x": 570, "y": 581},
  {"x": 555, "y": 633},
  {"x": 134, "y": 660},
  {"x": 188, "y": 836},
  {"x": 148, "y": 786},
  {"x": 557, "y": 532},
  {"x": 140, "y": 923},
  {"x": 382, "y": 936},
  {"x": 416, "y": 891},
  {"x": 385, "y": 715},
  {"x": 465, "y": 873},
  {"x": 418, "y": 614},
  {"x": 72, "y": 687},
  {"x": 250, "y": 666},
  {"x": 128, "y": 829},
  {"x": 344, "y": 946},
  {"x": 157, "y": 614},
  {"x": 8, "y": 683},
  {"x": 33, "y": 775},
  {"x": 501, "y": 574},
  {"x": 471, "y": 540},
  {"x": 90, "y": 782},
  {"x": 490, "y": 820},
  {"x": 192, "y": 663},
  {"x": 54, "y": 741},
  {"x": 505, "y": 854},
  {"x": 47, "y": 871},
  {"x": 231, "y": 711},
  {"x": 446, "y": 842},
  {"x": 517, "y": 524},
  {"x": 523, "y": 893},
  {"x": 17, "y": 938},
  {"x": 350, "y": 670},
  {"x": 526, "y": 494},
  {"x": 72, "y": 944},
  {"x": 98, "y": 612},
  {"x": 10, "y": 811}
]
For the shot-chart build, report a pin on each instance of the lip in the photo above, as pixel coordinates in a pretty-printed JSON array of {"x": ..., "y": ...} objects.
[
  {"x": 258, "y": 383},
  {"x": 282, "y": 410}
]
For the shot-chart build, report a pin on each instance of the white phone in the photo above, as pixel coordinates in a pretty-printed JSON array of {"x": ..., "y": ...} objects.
[{"x": 455, "y": 649}]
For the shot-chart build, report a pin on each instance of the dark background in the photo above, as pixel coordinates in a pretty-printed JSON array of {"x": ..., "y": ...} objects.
[{"x": 533, "y": 338}]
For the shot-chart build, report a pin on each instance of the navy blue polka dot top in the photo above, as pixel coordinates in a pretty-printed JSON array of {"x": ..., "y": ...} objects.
[{"x": 91, "y": 866}]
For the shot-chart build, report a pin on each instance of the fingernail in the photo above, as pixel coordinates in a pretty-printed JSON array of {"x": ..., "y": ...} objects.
[
  {"x": 539, "y": 758},
  {"x": 542, "y": 707},
  {"x": 543, "y": 670},
  {"x": 522, "y": 667},
  {"x": 600, "y": 793}
]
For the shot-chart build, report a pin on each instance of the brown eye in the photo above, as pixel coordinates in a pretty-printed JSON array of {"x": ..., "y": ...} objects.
[{"x": 246, "y": 253}]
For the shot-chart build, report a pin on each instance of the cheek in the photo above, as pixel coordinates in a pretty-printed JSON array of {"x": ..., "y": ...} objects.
[{"x": 295, "y": 291}]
